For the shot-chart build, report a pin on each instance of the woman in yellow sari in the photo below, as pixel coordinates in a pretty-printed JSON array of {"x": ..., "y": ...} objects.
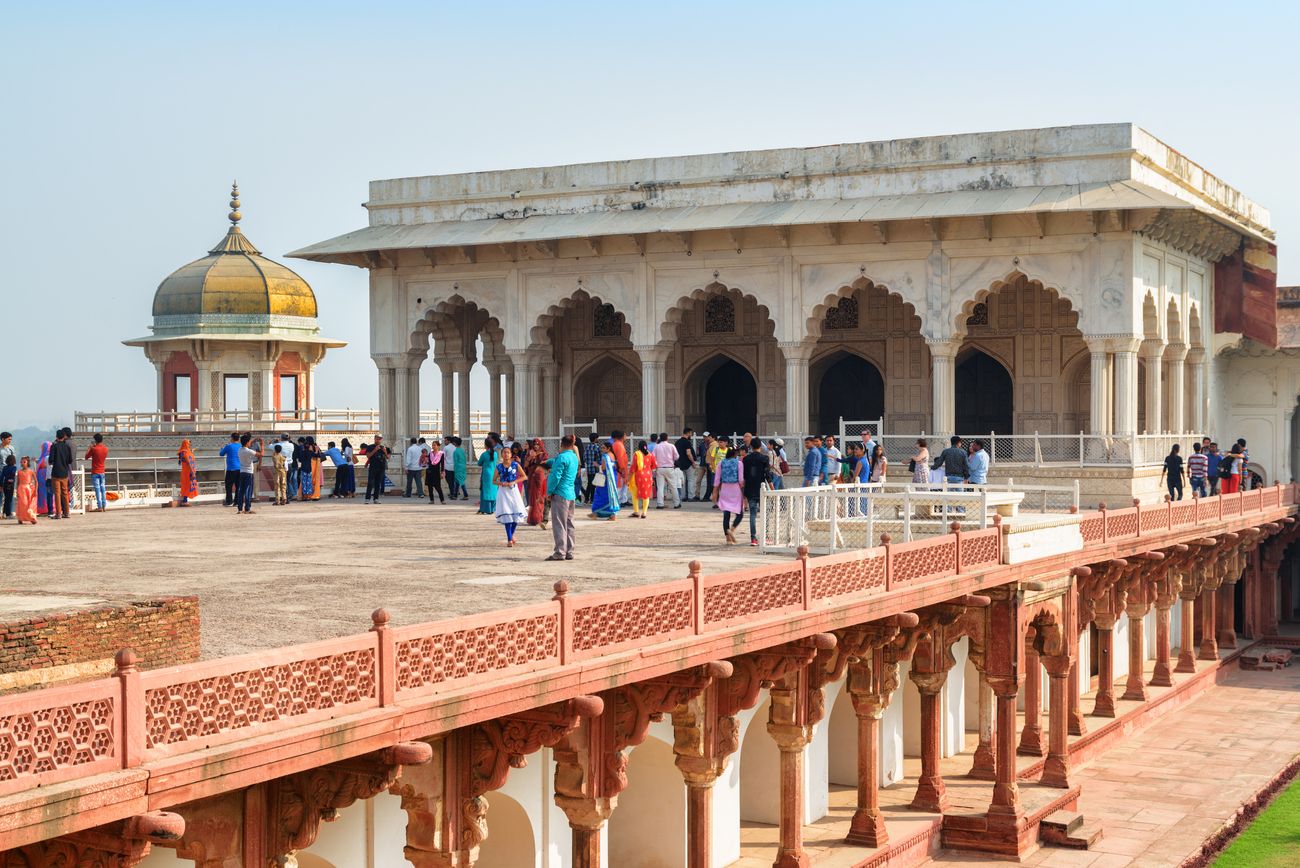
[{"x": 189, "y": 473}]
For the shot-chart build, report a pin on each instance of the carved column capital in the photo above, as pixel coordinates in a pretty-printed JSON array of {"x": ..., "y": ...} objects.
[{"x": 122, "y": 844}]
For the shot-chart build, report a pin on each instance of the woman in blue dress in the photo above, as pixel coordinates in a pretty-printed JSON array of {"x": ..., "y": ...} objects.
[
  {"x": 487, "y": 485},
  {"x": 508, "y": 499},
  {"x": 604, "y": 498}
]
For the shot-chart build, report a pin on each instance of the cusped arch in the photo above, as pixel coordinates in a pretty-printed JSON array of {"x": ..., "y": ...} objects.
[
  {"x": 814, "y": 325},
  {"x": 710, "y": 363},
  {"x": 546, "y": 321},
  {"x": 829, "y": 352},
  {"x": 672, "y": 318},
  {"x": 1008, "y": 281},
  {"x": 440, "y": 318},
  {"x": 971, "y": 347}
]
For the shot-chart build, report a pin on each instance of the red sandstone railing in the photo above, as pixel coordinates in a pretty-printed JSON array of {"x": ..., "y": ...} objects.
[{"x": 58, "y": 733}]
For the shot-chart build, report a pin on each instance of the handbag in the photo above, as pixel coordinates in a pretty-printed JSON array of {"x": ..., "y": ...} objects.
[
  {"x": 598, "y": 480},
  {"x": 911, "y": 465}
]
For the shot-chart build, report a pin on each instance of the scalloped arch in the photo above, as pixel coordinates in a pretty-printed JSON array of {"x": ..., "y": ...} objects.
[
  {"x": 668, "y": 329},
  {"x": 545, "y": 321},
  {"x": 1010, "y": 280},
  {"x": 813, "y": 325}
]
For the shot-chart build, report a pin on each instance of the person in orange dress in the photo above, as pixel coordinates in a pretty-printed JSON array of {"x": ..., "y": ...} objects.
[
  {"x": 26, "y": 493},
  {"x": 642, "y": 484},
  {"x": 189, "y": 473},
  {"x": 619, "y": 451}
]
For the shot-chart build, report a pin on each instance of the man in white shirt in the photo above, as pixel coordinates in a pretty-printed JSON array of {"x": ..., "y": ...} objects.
[
  {"x": 832, "y": 466},
  {"x": 665, "y": 454},
  {"x": 449, "y": 466},
  {"x": 286, "y": 449},
  {"x": 414, "y": 473}
]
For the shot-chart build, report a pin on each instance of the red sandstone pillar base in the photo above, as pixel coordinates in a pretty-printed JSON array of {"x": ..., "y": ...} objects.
[
  {"x": 931, "y": 794},
  {"x": 1031, "y": 737},
  {"x": 1163, "y": 674},
  {"x": 867, "y": 828},
  {"x": 1076, "y": 724},
  {"x": 1187, "y": 641},
  {"x": 1134, "y": 687},
  {"x": 1104, "y": 704}
]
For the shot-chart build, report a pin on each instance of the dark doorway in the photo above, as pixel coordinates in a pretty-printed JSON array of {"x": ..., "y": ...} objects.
[
  {"x": 731, "y": 400},
  {"x": 984, "y": 397},
  {"x": 850, "y": 388}
]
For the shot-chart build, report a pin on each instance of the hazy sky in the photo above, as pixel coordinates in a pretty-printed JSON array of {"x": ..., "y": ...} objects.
[{"x": 123, "y": 125}]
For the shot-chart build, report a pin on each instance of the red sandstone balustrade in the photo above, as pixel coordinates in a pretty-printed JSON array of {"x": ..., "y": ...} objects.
[
  {"x": 199, "y": 705},
  {"x": 610, "y": 621},
  {"x": 922, "y": 559},
  {"x": 60, "y": 733},
  {"x": 446, "y": 653}
]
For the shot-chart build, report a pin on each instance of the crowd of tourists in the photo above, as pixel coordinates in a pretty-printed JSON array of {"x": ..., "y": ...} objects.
[
  {"x": 1209, "y": 470},
  {"x": 520, "y": 483}
]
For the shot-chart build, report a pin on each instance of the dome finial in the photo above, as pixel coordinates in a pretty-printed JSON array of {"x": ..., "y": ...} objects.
[{"x": 234, "y": 204}]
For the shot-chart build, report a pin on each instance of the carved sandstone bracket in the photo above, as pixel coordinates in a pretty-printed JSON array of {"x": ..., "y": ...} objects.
[
  {"x": 591, "y": 761},
  {"x": 706, "y": 729},
  {"x": 296, "y": 805},
  {"x": 116, "y": 845}
]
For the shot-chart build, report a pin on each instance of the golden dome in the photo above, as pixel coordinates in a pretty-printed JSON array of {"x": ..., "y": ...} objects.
[{"x": 234, "y": 279}]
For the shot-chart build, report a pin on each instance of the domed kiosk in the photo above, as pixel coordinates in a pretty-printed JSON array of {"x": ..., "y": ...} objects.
[{"x": 235, "y": 333}]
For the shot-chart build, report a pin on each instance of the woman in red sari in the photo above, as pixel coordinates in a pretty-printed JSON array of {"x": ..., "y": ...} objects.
[
  {"x": 26, "y": 491},
  {"x": 535, "y": 467},
  {"x": 189, "y": 473}
]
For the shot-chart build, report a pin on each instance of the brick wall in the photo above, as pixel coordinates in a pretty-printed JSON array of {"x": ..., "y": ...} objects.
[{"x": 81, "y": 643}]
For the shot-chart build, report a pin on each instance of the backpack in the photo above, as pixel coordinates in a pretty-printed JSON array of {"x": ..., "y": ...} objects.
[
  {"x": 730, "y": 470},
  {"x": 1225, "y": 468}
]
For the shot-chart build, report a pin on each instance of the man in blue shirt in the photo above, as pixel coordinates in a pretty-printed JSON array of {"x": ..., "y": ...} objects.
[
  {"x": 812, "y": 462},
  {"x": 977, "y": 465},
  {"x": 230, "y": 452},
  {"x": 562, "y": 483}
]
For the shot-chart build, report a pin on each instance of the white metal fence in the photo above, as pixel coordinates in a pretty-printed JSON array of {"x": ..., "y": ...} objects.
[
  {"x": 830, "y": 518},
  {"x": 1049, "y": 450},
  {"x": 342, "y": 421}
]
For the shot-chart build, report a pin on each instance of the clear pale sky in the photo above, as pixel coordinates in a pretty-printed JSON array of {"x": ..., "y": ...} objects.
[{"x": 123, "y": 124}]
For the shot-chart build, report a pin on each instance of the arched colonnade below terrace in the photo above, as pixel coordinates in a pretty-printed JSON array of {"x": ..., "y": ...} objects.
[{"x": 1012, "y": 356}]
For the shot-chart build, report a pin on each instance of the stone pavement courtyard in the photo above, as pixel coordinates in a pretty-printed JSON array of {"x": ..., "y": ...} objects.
[{"x": 313, "y": 571}]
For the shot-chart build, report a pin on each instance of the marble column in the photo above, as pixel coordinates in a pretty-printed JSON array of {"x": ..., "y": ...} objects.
[
  {"x": 943, "y": 387},
  {"x": 1126, "y": 392},
  {"x": 1031, "y": 737},
  {"x": 796, "y": 354},
  {"x": 495, "y": 421},
  {"x": 1099, "y": 406},
  {"x": 984, "y": 764},
  {"x": 1196, "y": 363},
  {"x": 448, "y": 421},
  {"x": 1134, "y": 687},
  {"x": 412, "y": 395},
  {"x": 521, "y": 425},
  {"x": 1104, "y": 705},
  {"x": 401, "y": 403},
  {"x": 1175, "y": 356},
  {"x": 654, "y": 360},
  {"x": 511, "y": 421},
  {"x": 204, "y": 385},
  {"x": 550, "y": 423},
  {"x": 931, "y": 793},
  {"x": 1152, "y": 354},
  {"x": 1056, "y": 768},
  {"x": 464, "y": 425},
  {"x": 266, "y": 405},
  {"x": 1187, "y": 641},
  {"x": 387, "y": 401},
  {"x": 1209, "y": 636},
  {"x": 162, "y": 389},
  {"x": 534, "y": 409}
]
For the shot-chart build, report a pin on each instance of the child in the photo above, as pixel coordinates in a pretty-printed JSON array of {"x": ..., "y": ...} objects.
[
  {"x": 281, "y": 477},
  {"x": 8, "y": 480}
]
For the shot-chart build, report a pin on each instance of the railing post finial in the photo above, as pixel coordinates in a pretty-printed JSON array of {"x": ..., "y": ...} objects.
[
  {"x": 379, "y": 619},
  {"x": 126, "y": 661},
  {"x": 561, "y": 590},
  {"x": 801, "y": 552}
]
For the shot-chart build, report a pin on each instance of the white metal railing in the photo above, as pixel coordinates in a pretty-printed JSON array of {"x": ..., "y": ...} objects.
[
  {"x": 344, "y": 421},
  {"x": 829, "y": 518},
  {"x": 1047, "y": 450}
]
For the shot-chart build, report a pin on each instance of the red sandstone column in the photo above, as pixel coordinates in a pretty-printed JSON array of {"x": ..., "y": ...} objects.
[
  {"x": 1134, "y": 688},
  {"x": 1227, "y": 627},
  {"x": 1105, "y": 702},
  {"x": 1209, "y": 644},
  {"x": 1162, "y": 676},
  {"x": 984, "y": 767},
  {"x": 1268, "y": 593},
  {"x": 868, "y": 826},
  {"x": 1031, "y": 738},
  {"x": 1187, "y": 644},
  {"x": 1004, "y": 811},
  {"x": 931, "y": 794},
  {"x": 1056, "y": 768},
  {"x": 1077, "y": 726},
  {"x": 791, "y": 740},
  {"x": 699, "y": 823}
]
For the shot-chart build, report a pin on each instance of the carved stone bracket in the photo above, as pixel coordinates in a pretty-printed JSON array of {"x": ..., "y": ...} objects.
[{"x": 122, "y": 844}]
